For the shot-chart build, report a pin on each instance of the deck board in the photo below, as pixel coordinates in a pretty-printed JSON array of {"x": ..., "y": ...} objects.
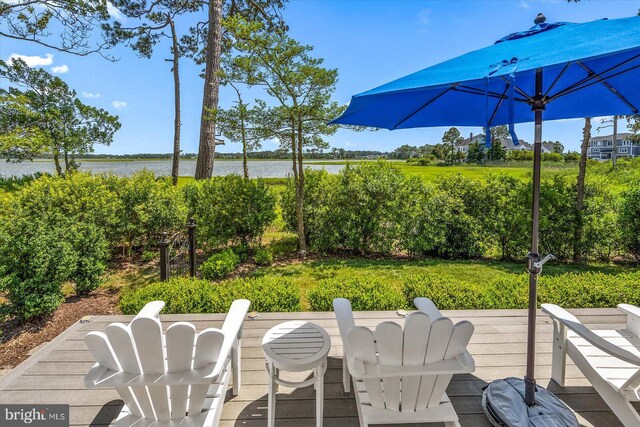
[{"x": 54, "y": 374}]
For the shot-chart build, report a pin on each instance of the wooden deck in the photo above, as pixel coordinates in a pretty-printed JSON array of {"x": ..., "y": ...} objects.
[{"x": 54, "y": 374}]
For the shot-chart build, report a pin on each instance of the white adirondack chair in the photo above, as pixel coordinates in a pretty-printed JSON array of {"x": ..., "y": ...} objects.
[
  {"x": 344, "y": 317},
  {"x": 176, "y": 378},
  {"x": 400, "y": 375},
  {"x": 609, "y": 359}
]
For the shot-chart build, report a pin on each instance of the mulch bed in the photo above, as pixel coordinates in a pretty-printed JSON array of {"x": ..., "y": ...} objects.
[{"x": 18, "y": 339}]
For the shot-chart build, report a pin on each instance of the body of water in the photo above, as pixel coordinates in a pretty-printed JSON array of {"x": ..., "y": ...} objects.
[{"x": 257, "y": 168}]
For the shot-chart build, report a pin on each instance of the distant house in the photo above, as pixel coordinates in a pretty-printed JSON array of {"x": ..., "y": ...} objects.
[
  {"x": 548, "y": 147},
  {"x": 463, "y": 146},
  {"x": 601, "y": 147}
]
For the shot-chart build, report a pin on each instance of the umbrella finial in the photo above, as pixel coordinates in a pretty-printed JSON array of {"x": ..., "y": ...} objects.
[{"x": 540, "y": 19}]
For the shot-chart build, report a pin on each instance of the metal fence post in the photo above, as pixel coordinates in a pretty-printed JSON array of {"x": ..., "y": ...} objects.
[
  {"x": 164, "y": 257},
  {"x": 191, "y": 225}
]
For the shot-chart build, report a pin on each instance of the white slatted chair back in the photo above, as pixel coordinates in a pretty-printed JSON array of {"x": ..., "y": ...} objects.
[
  {"x": 344, "y": 317},
  {"x": 164, "y": 376},
  {"x": 408, "y": 369}
]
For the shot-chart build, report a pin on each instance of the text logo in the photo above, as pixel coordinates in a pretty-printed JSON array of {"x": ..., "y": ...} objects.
[{"x": 34, "y": 415}]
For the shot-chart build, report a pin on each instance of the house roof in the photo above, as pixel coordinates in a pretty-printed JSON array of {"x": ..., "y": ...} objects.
[
  {"x": 548, "y": 147},
  {"x": 506, "y": 143},
  {"x": 621, "y": 136},
  {"x": 477, "y": 138},
  {"x": 509, "y": 145}
]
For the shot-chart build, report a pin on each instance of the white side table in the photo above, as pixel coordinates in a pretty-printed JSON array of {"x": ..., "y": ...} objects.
[{"x": 294, "y": 347}]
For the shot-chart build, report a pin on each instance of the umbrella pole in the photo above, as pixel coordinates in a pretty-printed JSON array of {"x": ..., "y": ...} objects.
[{"x": 533, "y": 262}]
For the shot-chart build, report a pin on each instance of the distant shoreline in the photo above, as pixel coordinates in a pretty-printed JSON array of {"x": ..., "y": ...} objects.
[{"x": 164, "y": 159}]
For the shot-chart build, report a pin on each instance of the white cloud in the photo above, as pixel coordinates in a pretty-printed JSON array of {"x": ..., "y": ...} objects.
[
  {"x": 90, "y": 95},
  {"x": 33, "y": 61},
  {"x": 60, "y": 69},
  {"x": 424, "y": 16},
  {"x": 524, "y": 4},
  {"x": 114, "y": 12},
  {"x": 119, "y": 104}
]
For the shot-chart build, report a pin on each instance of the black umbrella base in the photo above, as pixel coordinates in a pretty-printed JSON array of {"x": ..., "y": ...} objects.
[{"x": 503, "y": 402}]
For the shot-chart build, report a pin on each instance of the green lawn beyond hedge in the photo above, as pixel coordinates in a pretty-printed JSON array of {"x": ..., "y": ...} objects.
[{"x": 393, "y": 285}]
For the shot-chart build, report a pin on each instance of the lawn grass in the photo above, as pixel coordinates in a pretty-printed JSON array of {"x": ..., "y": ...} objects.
[{"x": 131, "y": 276}]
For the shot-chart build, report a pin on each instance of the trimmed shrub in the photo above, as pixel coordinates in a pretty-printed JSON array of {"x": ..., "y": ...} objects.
[
  {"x": 460, "y": 213},
  {"x": 510, "y": 292},
  {"x": 364, "y": 294},
  {"x": 557, "y": 217},
  {"x": 505, "y": 218},
  {"x": 359, "y": 210},
  {"x": 230, "y": 209},
  {"x": 187, "y": 295},
  {"x": 446, "y": 292},
  {"x": 571, "y": 290},
  {"x": 220, "y": 265},
  {"x": 89, "y": 243},
  {"x": 629, "y": 220},
  {"x": 368, "y": 206},
  {"x": 55, "y": 231},
  {"x": 421, "y": 231},
  {"x": 601, "y": 237},
  {"x": 552, "y": 157},
  {"x": 267, "y": 294},
  {"x": 149, "y": 206},
  {"x": 35, "y": 264},
  {"x": 590, "y": 290},
  {"x": 181, "y": 296},
  {"x": 263, "y": 256},
  {"x": 321, "y": 217}
]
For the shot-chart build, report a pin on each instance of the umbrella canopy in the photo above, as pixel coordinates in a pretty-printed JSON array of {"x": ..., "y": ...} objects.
[
  {"x": 560, "y": 70},
  {"x": 590, "y": 69}
]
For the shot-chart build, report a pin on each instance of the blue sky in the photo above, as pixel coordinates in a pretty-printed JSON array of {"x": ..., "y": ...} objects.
[{"x": 369, "y": 41}]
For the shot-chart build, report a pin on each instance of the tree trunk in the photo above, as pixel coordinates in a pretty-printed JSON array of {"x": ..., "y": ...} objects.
[
  {"x": 614, "y": 153},
  {"x": 56, "y": 160},
  {"x": 176, "y": 106},
  {"x": 582, "y": 169},
  {"x": 302, "y": 241},
  {"x": 245, "y": 166},
  {"x": 207, "y": 145},
  {"x": 66, "y": 161}
]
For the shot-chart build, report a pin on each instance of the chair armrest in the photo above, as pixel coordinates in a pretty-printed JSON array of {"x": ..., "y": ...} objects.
[
  {"x": 234, "y": 320},
  {"x": 151, "y": 309},
  {"x": 633, "y": 318},
  {"x": 460, "y": 364},
  {"x": 232, "y": 330},
  {"x": 629, "y": 309},
  {"x": 427, "y": 306},
  {"x": 570, "y": 321}
]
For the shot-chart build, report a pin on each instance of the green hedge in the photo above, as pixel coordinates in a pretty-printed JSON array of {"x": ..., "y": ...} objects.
[
  {"x": 230, "y": 209},
  {"x": 590, "y": 289},
  {"x": 571, "y": 290},
  {"x": 277, "y": 294},
  {"x": 220, "y": 265},
  {"x": 374, "y": 208},
  {"x": 185, "y": 295},
  {"x": 364, "y": 295},
  {"x": 446, "y": 292}
]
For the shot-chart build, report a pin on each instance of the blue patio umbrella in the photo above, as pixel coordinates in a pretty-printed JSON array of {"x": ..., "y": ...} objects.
[{"x": 554, "y": 70}]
